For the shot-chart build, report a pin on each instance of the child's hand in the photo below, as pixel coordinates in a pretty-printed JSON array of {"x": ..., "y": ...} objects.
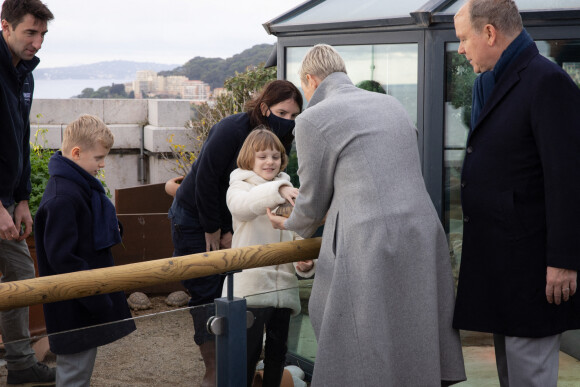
[
  {"x": 277, "y": 221},
  {"x": 305, "y": 266},
  {"x": 288, "y": 193}
]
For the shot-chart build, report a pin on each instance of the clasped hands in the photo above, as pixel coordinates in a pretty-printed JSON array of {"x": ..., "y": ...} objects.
[{"x": 10, "y": 227}]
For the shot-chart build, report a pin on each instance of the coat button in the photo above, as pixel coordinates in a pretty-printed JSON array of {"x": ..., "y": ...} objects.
[
  {"x": 466, "y": 219},
  {"x": 463, "y": 184},
  {"x": 469, "y": 149}
]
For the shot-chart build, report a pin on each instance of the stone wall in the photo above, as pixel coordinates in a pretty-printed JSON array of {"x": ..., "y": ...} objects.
[{"x": 140, "y": 127}]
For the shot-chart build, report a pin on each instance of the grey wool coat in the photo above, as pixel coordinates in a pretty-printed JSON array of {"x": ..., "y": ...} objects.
[{"x": 382, "y": 300}]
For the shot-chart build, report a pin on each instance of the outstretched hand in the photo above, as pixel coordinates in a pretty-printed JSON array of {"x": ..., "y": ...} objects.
[
  {"x": 289, "y": 193},
  {"x": 277, "y": 221}
]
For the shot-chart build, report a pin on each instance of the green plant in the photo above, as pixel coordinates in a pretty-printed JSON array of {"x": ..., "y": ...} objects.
[
  {"x": 371, "y": 85},
  {"x": 244, "y": 85},
  {"x": 460, "y": 77},
  {"x": 240, "y": 88},
  {"x": 39, "y": 157}
]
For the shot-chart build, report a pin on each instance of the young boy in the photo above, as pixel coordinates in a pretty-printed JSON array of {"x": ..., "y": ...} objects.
[{"x": 76, "y": 225}]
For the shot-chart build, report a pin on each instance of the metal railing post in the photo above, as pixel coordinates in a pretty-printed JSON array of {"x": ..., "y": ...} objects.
[{"x": 229, "y": 325}]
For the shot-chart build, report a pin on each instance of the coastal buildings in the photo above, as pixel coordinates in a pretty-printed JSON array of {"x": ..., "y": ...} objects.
[{"x": 148, "y": 84}]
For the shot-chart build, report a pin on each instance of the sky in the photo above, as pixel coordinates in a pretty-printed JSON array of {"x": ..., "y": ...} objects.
[{"x": 160, "y": 31}]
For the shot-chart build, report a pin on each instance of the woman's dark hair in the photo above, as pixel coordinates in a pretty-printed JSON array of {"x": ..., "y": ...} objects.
[{"x": 274, "y": 92}]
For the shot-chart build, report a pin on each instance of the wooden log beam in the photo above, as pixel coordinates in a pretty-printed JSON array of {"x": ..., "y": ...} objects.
[{"x": 61, "y": 287}]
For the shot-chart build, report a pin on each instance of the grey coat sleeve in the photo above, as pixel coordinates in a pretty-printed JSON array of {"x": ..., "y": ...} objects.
[{"x": 316, "y": 165}]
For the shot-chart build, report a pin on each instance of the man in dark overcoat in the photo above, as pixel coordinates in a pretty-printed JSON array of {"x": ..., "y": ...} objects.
[{"x": 520, "y": 192}]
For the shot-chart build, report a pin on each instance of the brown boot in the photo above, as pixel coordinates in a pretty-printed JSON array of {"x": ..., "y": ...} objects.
[{"x": 207, "y": 350}]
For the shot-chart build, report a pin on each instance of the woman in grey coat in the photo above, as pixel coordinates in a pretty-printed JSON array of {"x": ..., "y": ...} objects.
[{"x": 382, "y": 300}]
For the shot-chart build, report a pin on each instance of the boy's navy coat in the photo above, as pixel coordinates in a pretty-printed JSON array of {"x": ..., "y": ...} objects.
[
  {"x": 64, "y": 243},
  {"x": 521, "y": 202}
]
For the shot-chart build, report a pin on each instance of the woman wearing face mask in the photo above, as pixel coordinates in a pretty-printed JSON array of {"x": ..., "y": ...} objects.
[{"x": 200, "y": 219}]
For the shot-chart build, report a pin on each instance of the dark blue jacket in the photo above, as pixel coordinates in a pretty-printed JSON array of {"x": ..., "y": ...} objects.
[
  {"x": 520, "y": 190},
  {"x": 203, "y": 191},
  {"x": 16, "y": 89},
  {"x": 64, "y": 236}
]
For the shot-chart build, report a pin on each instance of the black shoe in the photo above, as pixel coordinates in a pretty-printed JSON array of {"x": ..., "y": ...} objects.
[{"x": 37, "y": 375}]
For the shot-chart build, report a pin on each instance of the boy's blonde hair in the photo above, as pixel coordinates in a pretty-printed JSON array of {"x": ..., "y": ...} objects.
[
  {"x": 85, "y": 132},
  {"x": 258, "y": 140}
]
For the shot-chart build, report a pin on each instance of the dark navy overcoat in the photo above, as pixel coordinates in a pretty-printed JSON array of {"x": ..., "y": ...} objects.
[
  {"x": 521, "y": 202},
  {"x": 64, "y": 243}
]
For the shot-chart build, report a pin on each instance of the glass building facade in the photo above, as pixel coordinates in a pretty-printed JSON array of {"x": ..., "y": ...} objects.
[{"x": 410, "y": 49}]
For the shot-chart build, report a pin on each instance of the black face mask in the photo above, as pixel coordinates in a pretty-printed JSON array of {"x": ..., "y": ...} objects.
[{"x": 280, "y": 126}]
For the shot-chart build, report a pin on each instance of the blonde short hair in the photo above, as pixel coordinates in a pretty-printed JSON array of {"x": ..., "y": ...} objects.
[
  {"x": 85, "y": 132},
  {"x": 259, "y": 139},
  {"x": 321, "y": 61}
]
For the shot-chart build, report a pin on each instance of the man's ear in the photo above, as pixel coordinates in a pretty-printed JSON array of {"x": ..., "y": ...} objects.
[
  {"x": 491, "y": 34},
  {"x": 5, "y": 26}
]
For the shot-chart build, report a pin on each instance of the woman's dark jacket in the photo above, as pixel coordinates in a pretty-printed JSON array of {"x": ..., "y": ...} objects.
[
  {"x": 521, "y": 202},
  {"x": 203, "y": 191},
  {"x": 64, "y": 236},
  {"x": 16, "y": 89}
]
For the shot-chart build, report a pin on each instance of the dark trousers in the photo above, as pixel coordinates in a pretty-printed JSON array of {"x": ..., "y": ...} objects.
[
  {"x": 276, "y": 321},
  {"x": 189, "y": 238}
]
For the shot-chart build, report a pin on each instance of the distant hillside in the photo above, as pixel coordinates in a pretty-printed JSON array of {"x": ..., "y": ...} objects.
[
  {"x": 214, "y": 71},
  {"x": 117, "y": 69}
]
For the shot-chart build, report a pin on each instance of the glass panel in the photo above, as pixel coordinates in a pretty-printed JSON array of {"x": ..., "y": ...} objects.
[
  {"x": 161, "y": 351},
  {"x": 393, "y": 66},
  {"x": 333, "y": 11},
  {"x": 524, "y": 5},
  {"x": 301, "y": 338},
  {"x": 459, "y": 78}
]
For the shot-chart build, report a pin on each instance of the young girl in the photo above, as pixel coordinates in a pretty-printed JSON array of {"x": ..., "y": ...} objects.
[{"x": 256, "y": 185}]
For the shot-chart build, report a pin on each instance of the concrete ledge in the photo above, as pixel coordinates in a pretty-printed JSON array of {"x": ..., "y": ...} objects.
[
  {"x": 156, "y": 138},
  {"x": 168, "y": 112},
  {"x": 121, "y": 170},
  {"x": 64, "y": 111},
  {"x": 132, "y": 122},
  {"x": 127, "y": 136},
  {"x": 123, "y": 111},
  {"x": 160, "y": 169}
]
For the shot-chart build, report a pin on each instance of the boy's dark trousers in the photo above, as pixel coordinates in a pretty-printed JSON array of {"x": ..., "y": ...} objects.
[{"x": 277, "y": 322}]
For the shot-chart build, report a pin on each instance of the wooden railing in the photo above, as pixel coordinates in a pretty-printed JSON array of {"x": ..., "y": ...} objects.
[{"x": 136, "y": 275}]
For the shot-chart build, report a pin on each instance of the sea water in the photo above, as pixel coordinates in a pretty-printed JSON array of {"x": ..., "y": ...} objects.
[{"x": 69, "y": 88}]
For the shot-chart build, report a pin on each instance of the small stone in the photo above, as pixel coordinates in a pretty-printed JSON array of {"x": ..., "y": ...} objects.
[
  {"x": 139, "y": 301},
  {"x": 178, "y": 298}
]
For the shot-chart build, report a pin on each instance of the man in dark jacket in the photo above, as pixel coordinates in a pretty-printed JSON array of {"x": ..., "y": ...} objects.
[
  {"x": 520, "y": 193},
  {"x": 24, "y": 23}
]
